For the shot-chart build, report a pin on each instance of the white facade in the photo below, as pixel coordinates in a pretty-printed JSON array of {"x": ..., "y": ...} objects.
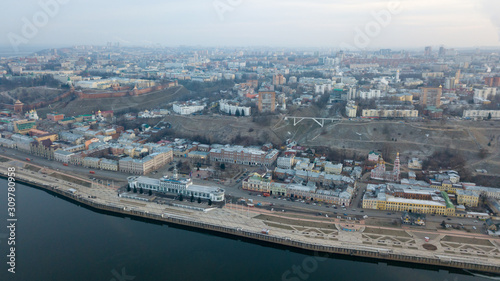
[
  {"x": 495, "y": 114},
  {"x": 484, "y": 93},
  {"x": 185, "y": 109},
  {"x": 351, "y": 109},
  {"x": 179, "y": 186},
  {"x": 372, "y": 94},
  {"x": 228, "y": 108},
  {"x": 285, "y": 162},
  {"x": 62, "y": 155}
]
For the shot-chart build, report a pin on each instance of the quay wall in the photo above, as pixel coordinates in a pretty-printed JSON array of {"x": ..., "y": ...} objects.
[{"x": 346, "y": 250}]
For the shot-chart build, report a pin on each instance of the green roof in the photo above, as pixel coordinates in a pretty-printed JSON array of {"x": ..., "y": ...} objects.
[{"x": 449, "y": 205}]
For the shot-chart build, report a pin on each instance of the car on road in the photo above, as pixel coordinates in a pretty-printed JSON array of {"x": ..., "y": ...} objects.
[
  {"x": 449, "y": 219},
  {"x": 389, "y": 214}
]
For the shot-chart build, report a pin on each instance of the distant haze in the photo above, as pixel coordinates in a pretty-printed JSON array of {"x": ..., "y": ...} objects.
[{"x": 287, "y": 23}]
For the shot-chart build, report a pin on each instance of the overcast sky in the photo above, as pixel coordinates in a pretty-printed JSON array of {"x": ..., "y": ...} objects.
[{"x": 293, "y": 23}]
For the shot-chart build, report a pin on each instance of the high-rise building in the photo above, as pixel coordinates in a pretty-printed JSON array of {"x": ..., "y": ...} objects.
[
  {"x": 449, "y": 83},
  {"x": 431, "y": 96},
  {"x": 492, "y": 81},
  {"x": 279, "y": 79},
  {"x": 428, "y": 51},
  {"x": 267, "y": 101},
  {"x": 457, "y": 77},
  {"x": 442, "y": 52}
]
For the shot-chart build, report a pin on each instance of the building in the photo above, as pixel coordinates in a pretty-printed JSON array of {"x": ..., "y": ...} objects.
[
  {"x": 18, "y": 106},
  {"x": 482, "y": 95},
  {"x": 91, "y": 162},
  {"x": 492, "y": 81},
  {"x": 389, "y": 198},
  {"x": 62, "y": 155},
  {"x": 108, "y": 164},
  {"x": 177, "y": 186},
  {"x": 351, "y": 109},
  {"x": 145, "y": 165},
  {"x": 373, "y": 156},
  {"x": 285, "y": 162},
  {"x": 267, "y": 101},
  {"x": 467, "y": 198},
  {"x": 244, "y": 155},
  {"x": 331, "y": 168},
  {"x": 55, "y": 117},
  {"x": 231, "y": 108},
  {"x": 23, "y": 126},
  {"x": 431, "y": 96},
  {"x": 187, "y": 108},
  {"x": 428, "y": 51},
  {"x": 389, "y": 113},
  {"x": 32, "y": 115},
  {"x": 380, "y": 173},
  {"x": 257, "y": 183},
  {"x": 44, "y": 149},
  {"x": 481, "y": 114},
  {"x": 279, "y": 79},
  {"x": 415, "y": 164}
]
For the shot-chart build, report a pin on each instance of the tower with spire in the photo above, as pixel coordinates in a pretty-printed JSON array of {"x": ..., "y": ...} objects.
[
  {"x": 396, "y": 173},
  {"x": 380, "y": 172}
]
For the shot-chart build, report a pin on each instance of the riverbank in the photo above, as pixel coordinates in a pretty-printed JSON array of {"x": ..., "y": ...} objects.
[{"x": 233, "y": 223}]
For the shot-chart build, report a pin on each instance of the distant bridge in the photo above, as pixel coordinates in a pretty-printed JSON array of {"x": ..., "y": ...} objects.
[{"x": 319, "y": 121}]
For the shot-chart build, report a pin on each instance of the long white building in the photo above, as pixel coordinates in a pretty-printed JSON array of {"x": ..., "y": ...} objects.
[
  {"x": 187, "y": 108},
  {"x": 495, "y": 114},
  {"x": 177, "y": 186},
  {"x": 229, "y": 108}
]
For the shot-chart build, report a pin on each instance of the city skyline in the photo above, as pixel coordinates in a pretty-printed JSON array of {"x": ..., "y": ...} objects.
[{"x": 240, "y": 23}]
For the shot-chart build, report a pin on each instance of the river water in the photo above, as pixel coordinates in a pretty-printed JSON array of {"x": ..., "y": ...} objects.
[{"x": 60, "y": 240}]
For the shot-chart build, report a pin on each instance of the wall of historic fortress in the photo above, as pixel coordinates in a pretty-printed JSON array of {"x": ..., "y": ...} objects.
[
  {"x": 82, "y": 95},
  {"x": 27, "y": 107},
  {"x": 134, "y": 92}
]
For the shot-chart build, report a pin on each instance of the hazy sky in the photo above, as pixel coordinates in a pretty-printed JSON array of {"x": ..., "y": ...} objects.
[{"x": 322, "y": 23}]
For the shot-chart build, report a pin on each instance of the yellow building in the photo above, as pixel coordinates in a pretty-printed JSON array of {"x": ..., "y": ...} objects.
[
  {"x": 446, "y": 186},
  {"x": 377, "y": 199},
  {"x": 51, "y": 137},
  {"x": 23, "y": 126},
  {"x": 467, "y": 198},
  {"x": 257, "y": 183}
]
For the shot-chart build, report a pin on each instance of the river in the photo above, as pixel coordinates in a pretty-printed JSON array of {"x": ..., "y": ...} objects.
[{"x": 60, "y": 240}]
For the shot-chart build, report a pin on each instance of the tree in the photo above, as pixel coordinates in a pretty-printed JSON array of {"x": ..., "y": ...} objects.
[
  {"x": 222, "y": 166},
  {"x": 199, "y": 200},
  {"x": 489, "y": 116},
  {"x": 135, "y": 190},
  {"x": 141, "y": 191},
  {"x": 192, "y": 198},
  {"x": 443, "y": 224},
  {"x": 128, "y": 188},
  {"x": 242, "y": 112},
  {"x": 181, "y": 198},
  {"x": 209, "y": 202},
  {"x": 150, "y": 192},
  {"x": 237, "y": 113}
]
